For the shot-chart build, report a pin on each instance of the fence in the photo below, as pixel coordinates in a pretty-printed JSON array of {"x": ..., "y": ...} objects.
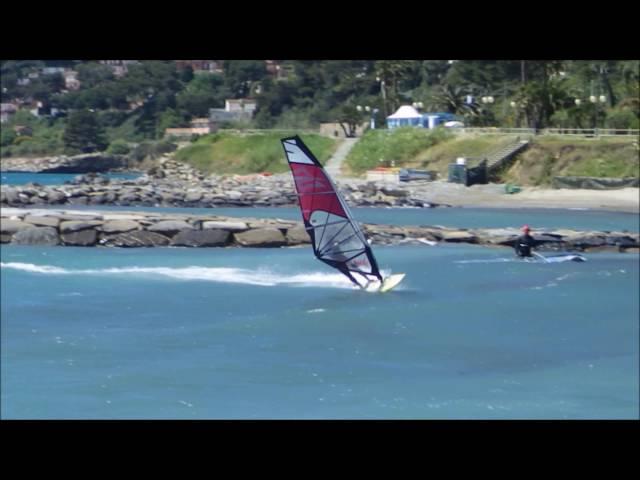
[
  {"x": 592, "y": 132},
  {"x": 575, "y": 132},
  {"x": 494, "y": 130}
]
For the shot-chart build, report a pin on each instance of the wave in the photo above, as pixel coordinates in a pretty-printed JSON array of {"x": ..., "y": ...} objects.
[
  {"x": 261, "y": 277},
  {"x": 489, "y": 260}
]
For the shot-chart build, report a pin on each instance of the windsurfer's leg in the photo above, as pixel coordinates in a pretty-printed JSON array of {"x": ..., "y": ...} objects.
[{"x": 348, "y": 274}]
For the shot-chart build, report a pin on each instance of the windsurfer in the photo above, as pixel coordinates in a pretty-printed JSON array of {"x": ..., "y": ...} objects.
[{"x": 524, "y": 243}]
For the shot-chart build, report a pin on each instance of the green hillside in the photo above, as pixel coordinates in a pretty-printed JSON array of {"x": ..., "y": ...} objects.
[
  {"x": 224, "y": 153},
  {"x": 548, "y": 157}
]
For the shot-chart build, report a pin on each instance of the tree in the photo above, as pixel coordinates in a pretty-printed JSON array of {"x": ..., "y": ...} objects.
[
  {"x": 240, "y": 74},
  {"x": 349, "y": 117},
  {"x": 83, "y": 133},
  {"x": 454, "y": 100},
  {"x": 91, "y": 74},
  {"x": 186, "y": 75},
  {"x": 202, "y": 93},
  {"x": 391, "y": 74}
]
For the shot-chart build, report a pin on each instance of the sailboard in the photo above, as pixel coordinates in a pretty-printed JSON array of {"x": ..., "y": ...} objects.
[
  {"x": 336, "y": 237},
  {"x": 558, "y": 258}
]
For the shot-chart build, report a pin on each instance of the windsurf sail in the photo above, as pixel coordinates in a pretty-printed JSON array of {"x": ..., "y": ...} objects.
[{"x": 336, "y": 237}]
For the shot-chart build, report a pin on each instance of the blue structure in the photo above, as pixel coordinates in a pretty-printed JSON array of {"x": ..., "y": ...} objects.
[{"x": 407, "y": 116}]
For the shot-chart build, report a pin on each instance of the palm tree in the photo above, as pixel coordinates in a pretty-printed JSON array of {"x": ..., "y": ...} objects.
[{"x": 454, "y": 100}]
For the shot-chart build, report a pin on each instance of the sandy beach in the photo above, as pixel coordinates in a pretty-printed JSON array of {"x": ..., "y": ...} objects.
[{"x": 493, "y": 195}]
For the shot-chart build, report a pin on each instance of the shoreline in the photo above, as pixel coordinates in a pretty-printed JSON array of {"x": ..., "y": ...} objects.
[{"x": 173, "y": 184}]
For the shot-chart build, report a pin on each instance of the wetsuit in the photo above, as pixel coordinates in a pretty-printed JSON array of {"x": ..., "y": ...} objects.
[{"x": 523, "y": 245}]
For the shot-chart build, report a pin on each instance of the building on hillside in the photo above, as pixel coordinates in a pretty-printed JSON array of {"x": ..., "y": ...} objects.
[
  {"x": 201, "y": 66},
  {"x": 119, "y": 67},
  {"x": 199, "y": 126},
  {"x": 235, "y": 109},
  {"x": 7, "y": 110},
  {"x": 53, "y": 70},
  {"x": 407, "y": 116},
  {"x": 279, "y": 71},
  {"x": 71, "y": 81},
  {"x": 245, "y": 105}
]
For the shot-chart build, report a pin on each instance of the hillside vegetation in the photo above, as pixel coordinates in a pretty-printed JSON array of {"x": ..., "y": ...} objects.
[
  {"x": 418, "y": 148},
  {"x": 548, "y": 157},
  {"x": 224, "y": 153},
  {"x": 385, "y": 148},
  {"x": 545, "y": 158}
]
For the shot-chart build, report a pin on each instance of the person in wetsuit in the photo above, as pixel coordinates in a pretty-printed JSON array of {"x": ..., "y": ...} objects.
[{"x": 524, "y": 243}]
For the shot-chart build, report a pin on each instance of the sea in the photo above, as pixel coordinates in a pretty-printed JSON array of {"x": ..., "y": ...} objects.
[{"x": 230, "y": 333}]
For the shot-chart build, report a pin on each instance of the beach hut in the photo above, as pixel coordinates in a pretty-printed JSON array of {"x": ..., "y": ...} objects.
[{"x": 405, "y": 116}]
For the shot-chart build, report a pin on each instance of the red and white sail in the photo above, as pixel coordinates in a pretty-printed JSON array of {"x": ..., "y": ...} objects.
[{"x": 336, "y": 237}]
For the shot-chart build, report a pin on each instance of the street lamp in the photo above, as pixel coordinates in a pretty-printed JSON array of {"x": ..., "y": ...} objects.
[
  {"x": 596, "y": 101},
  {"x": 488, "y": 100},
  {"x": 370, "y": 110},
  {"x": 516, "y": 107}
]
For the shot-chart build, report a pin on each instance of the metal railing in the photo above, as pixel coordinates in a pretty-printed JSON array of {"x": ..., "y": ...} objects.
[
  {"x": 575, "y": 132},
  {"x": 591, "y": 132},
  {"x": 494, "y": 130}
]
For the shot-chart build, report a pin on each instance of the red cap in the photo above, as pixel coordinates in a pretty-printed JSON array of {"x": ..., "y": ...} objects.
[{"x": 525, "y": 228}]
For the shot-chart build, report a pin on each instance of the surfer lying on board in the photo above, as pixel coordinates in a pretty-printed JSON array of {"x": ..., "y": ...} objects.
[{"x": 524, "y": 243}]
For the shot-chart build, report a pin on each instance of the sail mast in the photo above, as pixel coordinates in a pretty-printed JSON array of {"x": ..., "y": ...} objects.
[{"x": 336, "y": 237}]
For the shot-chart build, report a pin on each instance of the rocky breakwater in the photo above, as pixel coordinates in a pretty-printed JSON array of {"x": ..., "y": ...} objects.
[
  {"x": 91, "y": 162},
  {"x": 173, "y": 184},
  {"x": 136, "y": 229}
]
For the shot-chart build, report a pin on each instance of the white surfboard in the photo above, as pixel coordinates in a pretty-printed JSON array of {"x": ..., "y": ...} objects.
[{"x": 391, "y": 282}]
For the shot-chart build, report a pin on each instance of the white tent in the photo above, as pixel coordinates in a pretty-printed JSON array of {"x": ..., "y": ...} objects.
[{"x": 405, "y": 111}]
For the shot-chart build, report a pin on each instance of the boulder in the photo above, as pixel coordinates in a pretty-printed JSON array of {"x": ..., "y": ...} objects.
[
  {"x": 193, "y": 196},
  {"x": 36, "y": 236},
  {"x": 225, "y": 225},
  {"x": 136, "y": 238},
  {"x": 201, "y": 238},
  {"x": 297, "y": 235},
  {"x": 75, "y": 226},
  {"x": 42, "y": 221},
  {"x": 10, "y": 227},
  {"x": 82, "y": 238},
  {"x": 260, "y": 237},
  {"x": 458, "y": 236},
  {"x": 169, "y": 227},
  {"x": 119, "y": 226},
  {"x": 589, "y": 241},
  {"x": 11, "y": 195},
  {"x": 81, "y": 200},
  {"x": 56, "y": 197}
]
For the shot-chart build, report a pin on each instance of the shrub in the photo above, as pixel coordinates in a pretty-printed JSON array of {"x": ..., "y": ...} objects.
[
  {"x": 118, "y": 147},
  {"x": 621, "y": 118}
]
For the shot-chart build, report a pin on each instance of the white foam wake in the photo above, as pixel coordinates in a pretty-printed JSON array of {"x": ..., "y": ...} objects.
[{"x": 221, "y": 274}]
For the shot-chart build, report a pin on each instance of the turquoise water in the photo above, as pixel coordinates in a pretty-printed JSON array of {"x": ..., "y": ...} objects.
[
  {"x": 537, "y": 218},
  {"x": 272, "y": 333},
  {"x": 22, "y": 178}
]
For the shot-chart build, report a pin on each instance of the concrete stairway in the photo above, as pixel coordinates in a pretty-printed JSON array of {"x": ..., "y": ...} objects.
[
  {"x": 502, "y": 157},
  {"x": 334, "y": 165}
]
